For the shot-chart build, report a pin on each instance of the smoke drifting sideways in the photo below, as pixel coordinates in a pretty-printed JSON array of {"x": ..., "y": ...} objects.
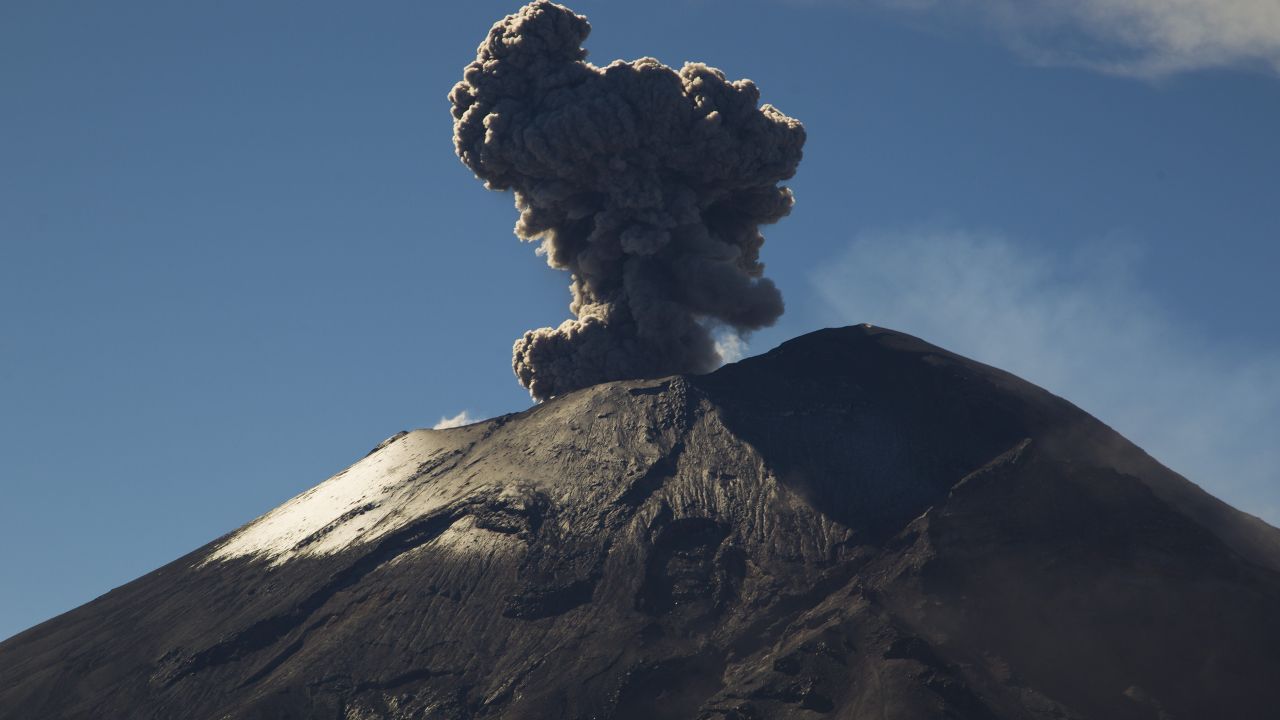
[{"x": 647, "y": 184}]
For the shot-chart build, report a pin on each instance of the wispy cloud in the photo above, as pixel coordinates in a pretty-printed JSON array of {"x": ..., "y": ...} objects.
[
  {"x": 1148, "y": 38},
  {"x": 1085, "y": 329},
  {"x": 730, "y": 345},
  {"x": 458, "y": 420}
]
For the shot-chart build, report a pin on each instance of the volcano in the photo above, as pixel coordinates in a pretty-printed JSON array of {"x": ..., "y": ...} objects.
[{"x": 856, "y": 524}]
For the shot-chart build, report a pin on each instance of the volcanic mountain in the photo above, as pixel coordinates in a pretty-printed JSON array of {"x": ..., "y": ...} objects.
[{"x": 856, "y": 524}]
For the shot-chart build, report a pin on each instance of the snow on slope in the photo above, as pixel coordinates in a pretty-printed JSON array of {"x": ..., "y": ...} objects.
[{"x": 376, "y": 495}]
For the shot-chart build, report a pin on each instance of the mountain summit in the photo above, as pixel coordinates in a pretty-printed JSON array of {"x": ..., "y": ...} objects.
[{"x": 855, "y": 524}]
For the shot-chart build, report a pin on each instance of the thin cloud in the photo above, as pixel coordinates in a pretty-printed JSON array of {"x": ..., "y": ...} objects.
[
  {"x": 458, "y": 420},
  {"x": 1083, "y": 329},
  {"x": 730, "y": 346},
  {"x": 1146, "y": 38}
]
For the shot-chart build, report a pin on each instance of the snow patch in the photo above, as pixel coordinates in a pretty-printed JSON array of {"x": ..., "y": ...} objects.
[
  {"x": 464, "y": 538},
  {"x": 376, "y": 495}
]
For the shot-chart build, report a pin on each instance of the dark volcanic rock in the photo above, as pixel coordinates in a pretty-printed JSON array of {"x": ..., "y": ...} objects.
[{"x": 856, "y": 524}]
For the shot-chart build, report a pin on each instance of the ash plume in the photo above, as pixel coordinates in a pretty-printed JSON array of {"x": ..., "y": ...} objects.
[{"x": 648, "y": 184}]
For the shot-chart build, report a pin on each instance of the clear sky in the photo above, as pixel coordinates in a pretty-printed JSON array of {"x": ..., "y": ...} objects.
[{"x": 237, "y": 250}]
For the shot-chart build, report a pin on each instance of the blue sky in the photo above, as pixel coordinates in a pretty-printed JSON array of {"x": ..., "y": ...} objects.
[{"x": 237, "y": 251}]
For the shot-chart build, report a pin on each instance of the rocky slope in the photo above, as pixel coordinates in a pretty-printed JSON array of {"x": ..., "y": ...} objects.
[{"x": 856, "y": 524}]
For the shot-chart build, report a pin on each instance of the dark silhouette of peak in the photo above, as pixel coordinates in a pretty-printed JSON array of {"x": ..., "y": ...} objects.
[{"x": 854, "y": 524}]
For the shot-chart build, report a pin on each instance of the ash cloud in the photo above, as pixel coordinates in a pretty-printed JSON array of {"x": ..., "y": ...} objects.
[{"x": 649, "y": 185}]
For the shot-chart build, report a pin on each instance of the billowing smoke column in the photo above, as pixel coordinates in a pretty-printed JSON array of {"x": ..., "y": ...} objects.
[{"x": 647, "y": 184}]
